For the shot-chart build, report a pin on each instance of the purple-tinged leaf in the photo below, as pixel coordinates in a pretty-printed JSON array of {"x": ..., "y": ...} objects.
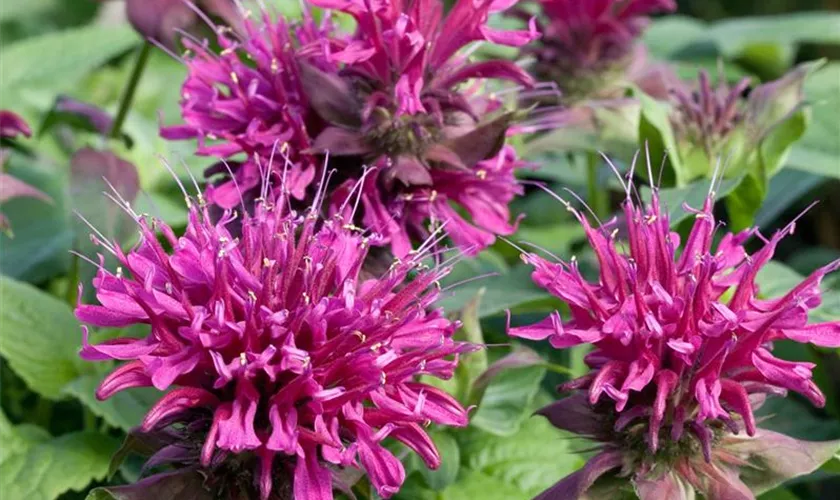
[
  {"x": 330, "y": 96},
  {"x": 79, "y": 115},
  {"x": 575, "y": 485},
  {"x": 483, "y": 142},
  {"x": 668, "y": 486},
  {"x": 774, "y": 458},
  {"x": 185, "y": 484},
  {"x": 14, "y": 188},
  {"x": 574, "y": 414}
]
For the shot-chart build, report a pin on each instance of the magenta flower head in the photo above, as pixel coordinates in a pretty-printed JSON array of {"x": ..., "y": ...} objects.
[
  {"x": 681, "y": 354},
  {"x": 281, "y": 366},
  {"x": 400, "y": 104},
  {"x": 247, "y": 104},
  {"x": 586, "y": 46}
]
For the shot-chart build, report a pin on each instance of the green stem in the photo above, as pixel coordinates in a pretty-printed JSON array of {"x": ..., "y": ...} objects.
[
  {"x": 596, "y": 193},
  {"x": 72, "y": 294},
  {"x": 128, "y": 95}
]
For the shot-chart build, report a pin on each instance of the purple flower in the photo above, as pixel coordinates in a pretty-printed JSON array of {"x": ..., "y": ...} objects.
[
  {"x": 248, "y": 104},
  {"x": 12, "y": 126},
  {"x": 586, "y": 46},
  {"x": 276, "y": 356},
  {"x": 400, "y": 104},
  {"x": 682, "y": 345},
  {"x": 162, "y": 20}
]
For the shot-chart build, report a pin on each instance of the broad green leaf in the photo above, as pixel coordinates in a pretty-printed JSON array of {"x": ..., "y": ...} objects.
[
  {"x": 557, "y": 239},
  {"x": 478, "y": 485},
  {"x": 668, "y": 35},
  {"x": 15, "y": 10},
  {"x": 507, "y": 290},
  {"x": 39, "y": 337},
  {"x": 124, "y": 410},
  {"x": 533, "y": 459},
  {"x": 507, "y": 400},
  {"x": 450, "y": 462},
  {"x": 46, "y": 469},
  {"x": 733, "y": 36},
  {"x": 56, "y": 60},
  {"x": 42, "y": 236},
  {"x": 786, "y": 188},
  {"x": 819, "y": 149},
  {"x": 656, "y": 133},
  {"x": 775, "y": 279},
  {"x": 693, "y": 195}
]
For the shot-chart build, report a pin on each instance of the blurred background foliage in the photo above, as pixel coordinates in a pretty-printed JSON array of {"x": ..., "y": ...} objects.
[{"x": 57, "y": 440}]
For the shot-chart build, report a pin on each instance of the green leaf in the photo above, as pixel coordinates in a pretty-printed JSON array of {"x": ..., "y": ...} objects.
[
  {"x": 450, "y": 462},
  {"x": 39, "y": 337},
  {"x": 733, "y": 36},
  {"x": 478, "y": 485},
  {"x": 669, "y": 35},
  {"x": 656, "y": 132},
  {"x": 51, "y": 466},
  {"x": 508, "y": 289},
  {"x": 10, "y": 11},
  {"x": 819, "y": 149},
  {"x": 124, "y": 410},
  {"x": 42, "y": 236},
  {"x": 56, "y": 60},
  {"x": 507, "y": 400},
  {"x": 533, "y": 459},
  {"x": 694, "y": 195},
  {"x": 786, "y": 188}
]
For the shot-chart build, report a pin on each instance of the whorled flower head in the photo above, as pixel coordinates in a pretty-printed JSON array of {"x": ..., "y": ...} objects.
[
  {"x": 277, "y": 357},
  {"x": 400, "y": 104},
  {"x": 162, "y": 20},
  {"x": 586, "y": 45},
  {"x": 248, "y": 103},
  {"x": 682, "y": 345},
  {"x": 705, "y": 115}
]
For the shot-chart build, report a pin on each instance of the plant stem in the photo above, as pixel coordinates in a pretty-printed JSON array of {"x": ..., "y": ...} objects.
[
  {"x": 596, "y": 194},
  {"x": 128, "y": 95},
  {"x": 72, "y": 294}
]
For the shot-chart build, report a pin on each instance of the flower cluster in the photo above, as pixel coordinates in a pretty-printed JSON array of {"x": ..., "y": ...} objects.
[
  {"x": 248, "y": 103},
  {"x": 586, "y": 46},
  {"x": 282, "y": 366},
  {"x": 682, "y": 347},
  {"x": 399, "y": 105}
]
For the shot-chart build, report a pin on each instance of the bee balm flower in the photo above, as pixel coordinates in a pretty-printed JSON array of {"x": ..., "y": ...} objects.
[
  {"x": 682, "y": 350},
  {"x": 248, "y": 104},
  {"x": 586, "y": 46},
  {"x": 281, "y": 364},
  {"x": 400, "y": 104}
]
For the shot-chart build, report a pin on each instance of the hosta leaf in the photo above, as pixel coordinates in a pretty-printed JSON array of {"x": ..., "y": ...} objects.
[
  {"x": 47, "y": 468},
  {"x": 123, "y": 410},
  {"x": 39, "y": 337}
]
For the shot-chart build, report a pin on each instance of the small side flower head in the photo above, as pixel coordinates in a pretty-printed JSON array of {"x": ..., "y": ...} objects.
[
  {"x": 281, "y": 365},
  {"x": 588, "y": 47},
  {"x": 681, "y": 354},
  {"x": 406, "y": 102},
  {"x": 248, "y": 101}
]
